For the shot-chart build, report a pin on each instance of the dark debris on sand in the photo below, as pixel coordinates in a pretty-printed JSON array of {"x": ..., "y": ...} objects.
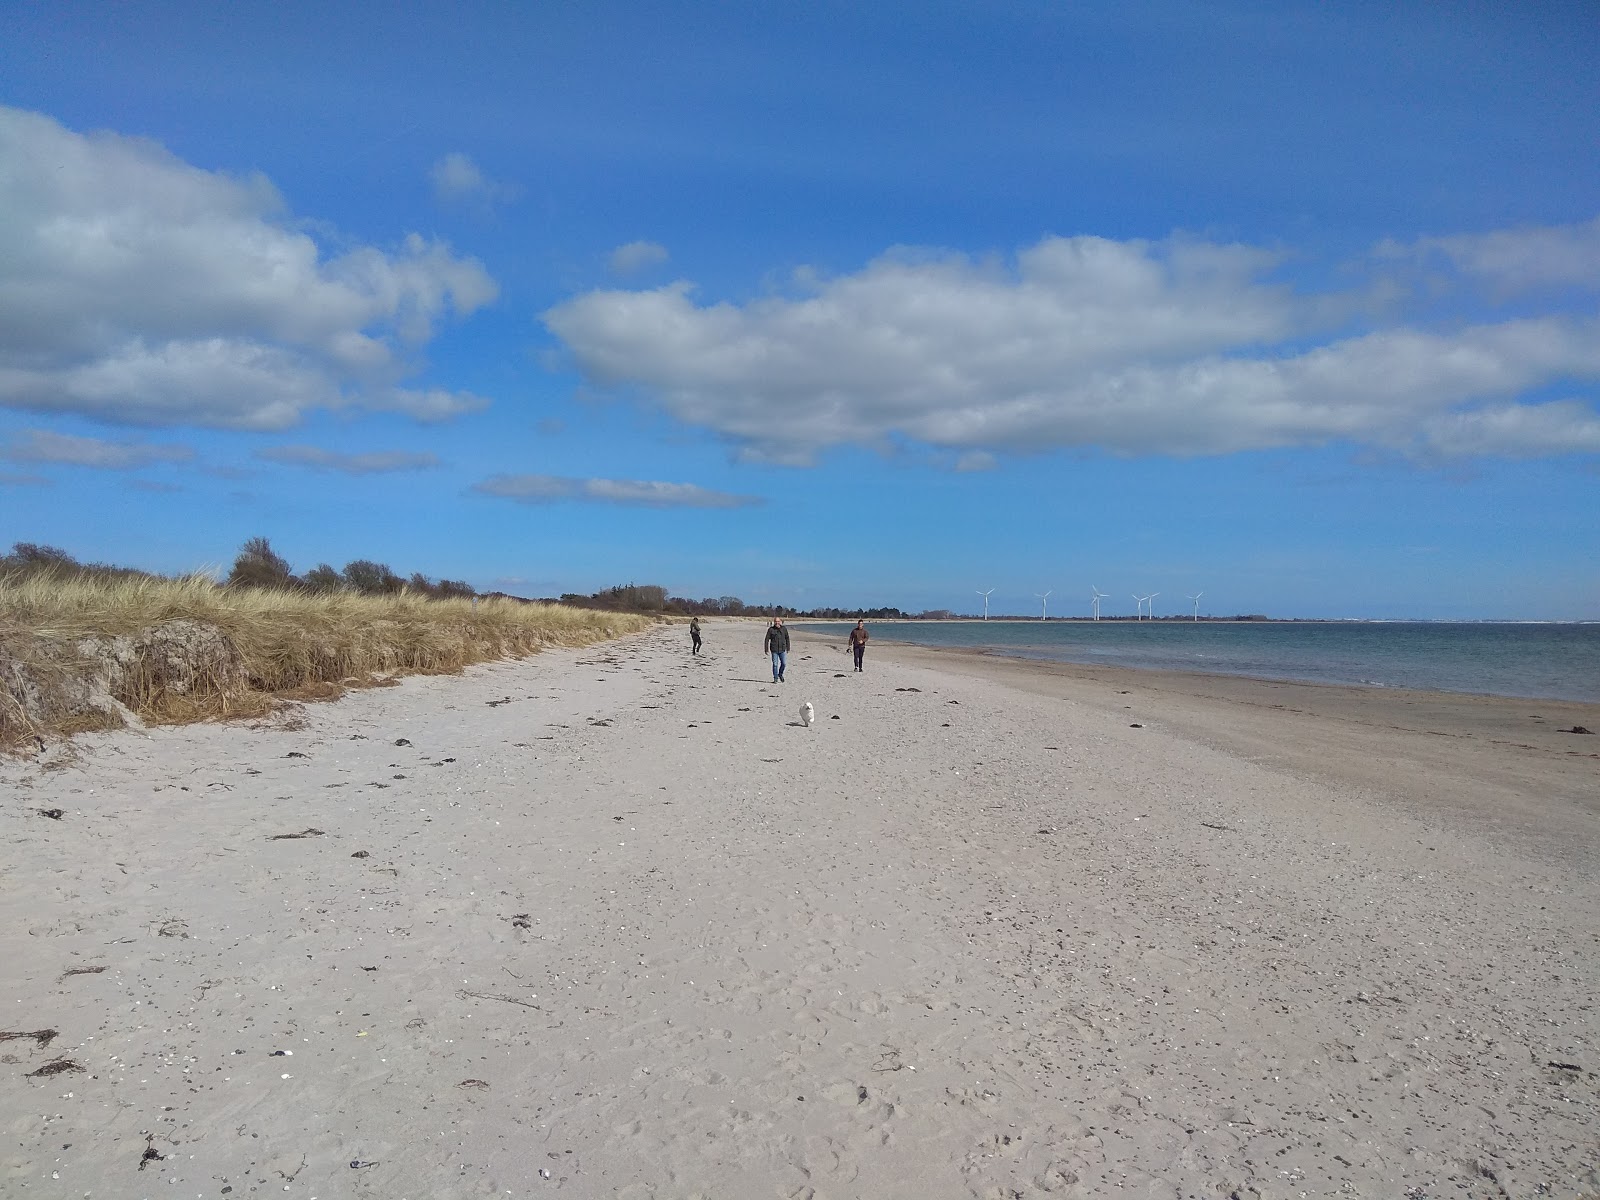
[
  {"x": 41, "y": 1037},
  {"x": 151, "y": 1154},
  {"x": 56, "y": 1067}
]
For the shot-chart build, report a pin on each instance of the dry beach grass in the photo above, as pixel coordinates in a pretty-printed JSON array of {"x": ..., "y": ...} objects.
[{"x": 84, "y": 652}]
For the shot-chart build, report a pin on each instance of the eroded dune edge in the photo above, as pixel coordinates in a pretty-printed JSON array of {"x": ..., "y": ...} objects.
[{"x": 88, "y": 652}]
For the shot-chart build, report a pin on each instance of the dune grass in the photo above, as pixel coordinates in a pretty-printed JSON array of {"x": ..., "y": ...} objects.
[{"x": 289, "y": 643}]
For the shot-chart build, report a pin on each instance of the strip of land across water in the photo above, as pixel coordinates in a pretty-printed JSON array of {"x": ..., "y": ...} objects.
[{"x": 616, "y": 922}]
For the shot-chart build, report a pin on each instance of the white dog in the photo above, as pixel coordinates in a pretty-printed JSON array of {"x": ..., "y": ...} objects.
[{"x": 807, "y": 714}]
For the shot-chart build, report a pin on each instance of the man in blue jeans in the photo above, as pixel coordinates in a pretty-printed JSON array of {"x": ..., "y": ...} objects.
[{"x": 777, "y": 644}]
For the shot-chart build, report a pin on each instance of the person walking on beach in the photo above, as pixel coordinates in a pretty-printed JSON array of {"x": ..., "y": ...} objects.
[
  {"x": 777, "y": 644},
  {"x": 694, "y": 633},
  {"x": 858, "y": 641}
]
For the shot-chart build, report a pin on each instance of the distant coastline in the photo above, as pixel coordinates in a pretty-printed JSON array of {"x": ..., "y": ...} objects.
[
  {"x": 1534, "y": 660},
  {"x": 1178, "y": 619}
]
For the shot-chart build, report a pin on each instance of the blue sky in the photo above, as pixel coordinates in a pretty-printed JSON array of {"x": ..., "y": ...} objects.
[{"x": 1295, "y": 304}]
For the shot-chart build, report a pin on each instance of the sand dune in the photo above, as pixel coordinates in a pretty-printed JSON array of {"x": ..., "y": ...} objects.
[{"x": 614, "y": 923}]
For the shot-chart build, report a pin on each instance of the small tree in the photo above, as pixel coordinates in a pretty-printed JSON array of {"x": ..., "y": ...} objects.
[
  {"x": 371, "y": 578},
  {"x": 27, "y": 558},
  {"x": 258, "y": 565},
  {"x": 322, "y": 578}
]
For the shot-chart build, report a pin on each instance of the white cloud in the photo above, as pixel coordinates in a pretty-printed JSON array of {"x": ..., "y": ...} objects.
[
  {"x": 1175, "y": 348},
  {"x": 458, "y": 180},
  {"x": 547, "y": 489},
  {"x": 137, "y": 288},
  {"x": 14, "y": 479},
  {"x": 976, "y": 460},
  {"x": 1517, "y": 260},
  {"x": 636, "y": 256},
  {"x": 370, "y": 463},
  {"x": 43, "y": 446},
  {"x": 434, "y": 404},
  {"x": 1517, "y": 430}
]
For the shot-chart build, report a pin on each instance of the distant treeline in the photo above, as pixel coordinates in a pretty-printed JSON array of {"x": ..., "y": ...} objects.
[
  {"x": 257, "y": 566},
  {"x": 28, "y": 559},
  {"x": 652, "y": 598}
]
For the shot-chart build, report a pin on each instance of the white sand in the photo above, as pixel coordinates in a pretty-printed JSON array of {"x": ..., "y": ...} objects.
[{"x": 967, "y": 940}]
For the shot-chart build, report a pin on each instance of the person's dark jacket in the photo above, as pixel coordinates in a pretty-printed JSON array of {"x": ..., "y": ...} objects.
[{"x": 777, "y": 639}]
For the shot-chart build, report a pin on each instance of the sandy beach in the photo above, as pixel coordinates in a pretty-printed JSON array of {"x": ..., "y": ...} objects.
[{"x": 614, "y": 922}]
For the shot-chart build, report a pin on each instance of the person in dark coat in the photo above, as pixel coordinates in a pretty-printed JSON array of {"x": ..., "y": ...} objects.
[
  {"x": 694, "y": 633},
  {"x": 777, "y": 644},
  {"x": 858, "y": 641}
]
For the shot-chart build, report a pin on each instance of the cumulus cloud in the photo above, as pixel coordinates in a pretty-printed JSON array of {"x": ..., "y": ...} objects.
[
  {"x": 137, "y": 288},
  {"x": 1178, "y": 347},
  {"x": 457, "y": 179},
  {"x": 44, "y": 446},
  {"x": 371, "y": 463},
  {"x": 1516, "y": 260},
  {"x": 636, "y": 256},
  {"x": 547, "y": 489}
]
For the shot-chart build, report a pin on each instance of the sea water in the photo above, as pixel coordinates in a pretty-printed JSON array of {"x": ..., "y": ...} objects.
[{"x": 1534, "y": 660}]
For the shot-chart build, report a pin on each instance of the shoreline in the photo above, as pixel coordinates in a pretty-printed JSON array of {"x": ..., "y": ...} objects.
[
  {"x": 1474, "y": 752},
  {"x": 1002, "y": 652}
]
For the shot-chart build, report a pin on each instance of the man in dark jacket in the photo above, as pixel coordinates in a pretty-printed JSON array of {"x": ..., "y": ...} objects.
[
  {"x": 777, "y": 644},
  {"x": 858, "y": 641}
]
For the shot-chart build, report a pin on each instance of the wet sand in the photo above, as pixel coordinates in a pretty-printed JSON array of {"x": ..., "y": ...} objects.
[{"x": 615, "y": 923}]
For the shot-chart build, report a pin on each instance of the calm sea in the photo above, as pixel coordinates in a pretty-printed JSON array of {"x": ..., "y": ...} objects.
[{"x": 1559, "y": 662}]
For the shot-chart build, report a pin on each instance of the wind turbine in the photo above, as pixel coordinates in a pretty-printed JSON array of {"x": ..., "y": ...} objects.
[
  {"x": 1095, "y": 602},
  {"x": 985, "y": 596},
  {"x": 1196, "y": 599},
  {"x": 1044, "y": 603},
  {"x": 1150, "y": 608},
  {"x": 1138, "y": 607}
]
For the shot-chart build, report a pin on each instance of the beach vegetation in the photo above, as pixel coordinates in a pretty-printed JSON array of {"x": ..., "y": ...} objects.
[
  {"x": 89, "y": 646},
  {"x": 258, "y": 565}
]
